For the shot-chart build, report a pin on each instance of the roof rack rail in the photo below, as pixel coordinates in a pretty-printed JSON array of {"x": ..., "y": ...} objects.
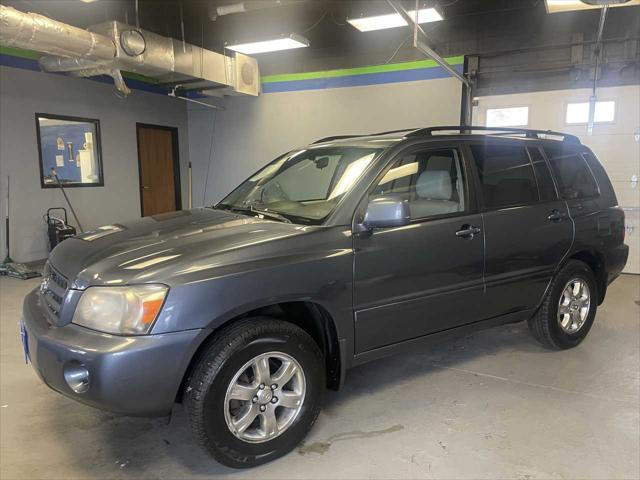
[
  {"x": 335, "y": 137},
  {"x": 467, "y": 129},
  {"x": 341, "y": 137}
]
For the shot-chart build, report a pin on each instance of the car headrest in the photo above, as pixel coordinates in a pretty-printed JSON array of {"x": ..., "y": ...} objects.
[{"x": 434, "y": 185}]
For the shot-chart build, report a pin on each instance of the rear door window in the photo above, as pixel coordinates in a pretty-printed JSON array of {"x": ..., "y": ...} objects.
[
  {"x": 506, "y": 175},
  {"x": 572, "y": 173}
]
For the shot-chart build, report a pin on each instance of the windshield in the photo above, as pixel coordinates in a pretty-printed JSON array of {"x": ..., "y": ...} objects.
[{"x": 302, "y": 186}]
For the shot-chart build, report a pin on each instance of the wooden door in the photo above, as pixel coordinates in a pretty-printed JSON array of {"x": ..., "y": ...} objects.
[{"x": 159, "y": 169}]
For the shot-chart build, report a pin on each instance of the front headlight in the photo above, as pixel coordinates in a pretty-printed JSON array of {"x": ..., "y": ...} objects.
[{"x": 120, "y": 310}]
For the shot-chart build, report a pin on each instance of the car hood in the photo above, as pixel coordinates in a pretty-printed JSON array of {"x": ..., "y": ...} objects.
[{"x": 165, "y": 247}]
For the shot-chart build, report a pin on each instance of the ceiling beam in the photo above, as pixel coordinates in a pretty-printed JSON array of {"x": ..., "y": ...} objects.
[{"x": 422, "y": 45}]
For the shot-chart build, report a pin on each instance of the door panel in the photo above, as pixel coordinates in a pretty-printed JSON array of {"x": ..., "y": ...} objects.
[
  {"x": 527, "y": 228},
  {"x": 415, "y": 280},
  {"x": 426, "y": 276},
  {"x": 157, "y": 154},
  {"x": 523, "y": 248}
]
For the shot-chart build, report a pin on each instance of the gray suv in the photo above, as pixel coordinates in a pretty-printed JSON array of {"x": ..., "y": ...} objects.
[{"x": 334, "y": 254}]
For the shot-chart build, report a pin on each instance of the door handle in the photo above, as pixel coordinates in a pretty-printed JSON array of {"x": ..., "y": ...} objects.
[
  {"x": 467, "y": 231},
  {"x": 556, "y": 216},
  {"x": 146, "y": 187}
]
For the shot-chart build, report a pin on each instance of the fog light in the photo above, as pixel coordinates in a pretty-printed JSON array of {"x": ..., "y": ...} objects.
[{"x": 77, "y": 377}]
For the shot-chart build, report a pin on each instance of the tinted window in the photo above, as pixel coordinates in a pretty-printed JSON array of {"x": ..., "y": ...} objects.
[
  {"x": 431, "y": 181},
  {"x": 543, "y": 176},
  {"x": 506, "y": 175},
  {"x": 572, "y": 173}
]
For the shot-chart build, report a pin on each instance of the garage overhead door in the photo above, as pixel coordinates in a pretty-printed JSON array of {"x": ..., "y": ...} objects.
[{"x": 615, "y": 139}]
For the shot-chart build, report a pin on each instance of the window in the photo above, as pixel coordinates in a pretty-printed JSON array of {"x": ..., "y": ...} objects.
[
  {"x": 506, "y": 175},
  {"x": 309, "y": 179},
  {"x": 572, "y": 173},
  {"x": 546, "y": 188},
  {"x": 305, "y": 185},
  {"x": 69, "y": 148},
  {"x": 508, "y": 117},
  {"x": 431, "y": 181},
  {"x": 578, "y": 113}
]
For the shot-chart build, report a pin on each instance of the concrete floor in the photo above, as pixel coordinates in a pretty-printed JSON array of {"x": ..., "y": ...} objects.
[{"x": 492, "y": 405}]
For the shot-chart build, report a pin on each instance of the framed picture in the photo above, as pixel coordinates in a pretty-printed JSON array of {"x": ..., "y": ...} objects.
[{"x": 70, "y": 147}]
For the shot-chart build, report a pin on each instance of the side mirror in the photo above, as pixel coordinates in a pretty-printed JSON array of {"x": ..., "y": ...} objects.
[{"x": 385, "y": 212}]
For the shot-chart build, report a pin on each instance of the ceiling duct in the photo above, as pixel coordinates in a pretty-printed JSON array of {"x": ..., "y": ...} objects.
[{"x": 111, "y": 47}]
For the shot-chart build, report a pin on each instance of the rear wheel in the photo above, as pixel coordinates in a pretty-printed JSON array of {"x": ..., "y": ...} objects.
[
  {"x": 255, "y": 393},
  {"x": 569, "y": 308}
]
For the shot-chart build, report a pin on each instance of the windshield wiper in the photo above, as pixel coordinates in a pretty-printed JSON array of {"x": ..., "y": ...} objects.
[
  {"x": 273, "y": 215},
  {"x": 253, "y": 210}
]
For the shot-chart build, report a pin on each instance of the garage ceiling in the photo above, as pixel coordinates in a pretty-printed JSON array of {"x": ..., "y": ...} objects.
[{"x": 470, "y": 27}]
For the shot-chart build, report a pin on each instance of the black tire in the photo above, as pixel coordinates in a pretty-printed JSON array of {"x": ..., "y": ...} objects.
[
  {"x": 544, "y": 325},
  {"x": 206, "y": 388}
]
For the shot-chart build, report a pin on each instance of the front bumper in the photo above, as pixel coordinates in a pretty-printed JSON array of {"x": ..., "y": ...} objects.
[{"x": 130, "y": 375}]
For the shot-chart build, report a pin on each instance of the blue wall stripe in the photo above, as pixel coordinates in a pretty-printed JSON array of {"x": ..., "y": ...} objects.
[
  {"x": 19, "y": 62},
  {"x": 359, "y": 80}
]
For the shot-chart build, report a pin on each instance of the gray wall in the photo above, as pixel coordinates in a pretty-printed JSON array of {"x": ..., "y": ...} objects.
[
  {"x": 253, "y": 131},
  {"x": 22, "y": 94},
  {"x": 202, "y": 122}
]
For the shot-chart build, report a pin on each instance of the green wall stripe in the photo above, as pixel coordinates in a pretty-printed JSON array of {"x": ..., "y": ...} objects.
[
  {"x": 140, "y": 78},
  {"x": 18, "y": 52},
  {"x": 345, "y": 72}
]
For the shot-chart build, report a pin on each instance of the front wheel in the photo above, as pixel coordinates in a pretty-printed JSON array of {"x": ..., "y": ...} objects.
[
  {"x": 255, "y": 392},
  {"x": 569, "y": 308}
]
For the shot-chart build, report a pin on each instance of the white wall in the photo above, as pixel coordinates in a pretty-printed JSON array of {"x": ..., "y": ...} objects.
[
  {"x": 253, "y": 131},
  {"x": 22, "y": 94},
  {"x": 614, "y": 144}
]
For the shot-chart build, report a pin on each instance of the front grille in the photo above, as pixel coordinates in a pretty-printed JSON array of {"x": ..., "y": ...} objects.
[
  {"x": 58, "y": 279},
  {"x": 53, "y": 290}
]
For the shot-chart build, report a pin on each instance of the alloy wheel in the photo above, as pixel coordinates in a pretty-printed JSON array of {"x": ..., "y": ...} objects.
[
  {"x": 265, "y": 397},
  {"x": 574, "y": 304}
]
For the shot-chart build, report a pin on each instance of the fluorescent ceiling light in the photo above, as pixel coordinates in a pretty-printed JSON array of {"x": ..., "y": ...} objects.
[
  {"x": 394, "y": 20},
  {"x": 273, "y": 45},
  {"x": 557, "y": 6}
]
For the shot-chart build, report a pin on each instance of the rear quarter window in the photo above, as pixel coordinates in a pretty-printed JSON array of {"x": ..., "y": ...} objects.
[{"x": 573, "y": 176}]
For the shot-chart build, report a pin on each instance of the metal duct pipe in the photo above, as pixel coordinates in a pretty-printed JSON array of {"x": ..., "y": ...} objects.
[
  {"x": 52, "y": 63},
  {"x": 114, "y": 73},
  {"x": 111, "y": 47},
  {"x": 37, "y": 32}
]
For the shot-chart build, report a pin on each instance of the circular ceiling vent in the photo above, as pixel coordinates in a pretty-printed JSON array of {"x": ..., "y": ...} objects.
[
  {"x": 246, "y": 72},
  {"x": 132, "y": 42}
]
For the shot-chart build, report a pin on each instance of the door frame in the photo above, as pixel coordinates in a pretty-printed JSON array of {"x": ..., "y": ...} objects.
[{"x": 176, "y": 162}]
